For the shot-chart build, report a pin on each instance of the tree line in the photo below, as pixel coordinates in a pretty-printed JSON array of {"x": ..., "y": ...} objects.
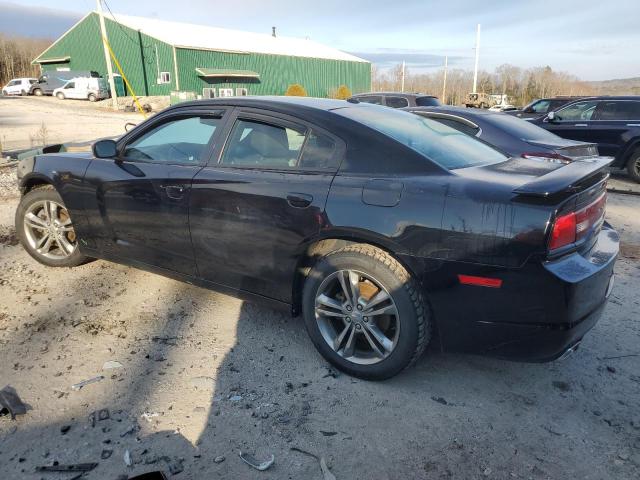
[
  {"x": 520, "y": 84},
  {"x": 16, "y": 54}
]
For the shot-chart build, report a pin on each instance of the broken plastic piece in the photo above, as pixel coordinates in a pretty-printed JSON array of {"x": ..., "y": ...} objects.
[
  {"x": 77, "y": 467},
  {"x": 11, "y": 402},
  {"x": 78, "y": 386},
  {"x": 255, "y": 463},
  {"x": 127, "y": 458},
  {"x": 111, "y": 364}
]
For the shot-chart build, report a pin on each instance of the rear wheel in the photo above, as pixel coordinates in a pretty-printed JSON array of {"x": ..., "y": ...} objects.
[
  {"x": 92, "y": 97},
  {"x": 60, "y": 95},
  {"x": 45, "y": 229},
  {"x": 633, "y": 166},
  {"x": 364, "y": 312},
  {"x": 37, "y": 92}
]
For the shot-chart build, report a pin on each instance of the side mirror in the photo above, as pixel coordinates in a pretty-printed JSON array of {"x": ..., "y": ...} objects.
[
  {"x": 551, "y": 116},
  {"x": 104, "y": 149}
]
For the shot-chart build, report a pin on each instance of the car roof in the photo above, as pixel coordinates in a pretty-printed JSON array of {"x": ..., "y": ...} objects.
[
  {"x": 284, "y": 103},
  {"x": 462, "y": 111},
  {"x": 397, "y": 94}
]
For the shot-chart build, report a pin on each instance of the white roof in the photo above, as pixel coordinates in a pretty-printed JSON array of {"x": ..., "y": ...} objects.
[{"x": 189, "y": 35}]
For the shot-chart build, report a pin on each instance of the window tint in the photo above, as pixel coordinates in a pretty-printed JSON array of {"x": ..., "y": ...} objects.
[
  {"x": 443, "y": 145},
  {"x": 461, "y": 127},
  {"x": 32, "y": 81},
  {"x": 619, "y": 110},
  {"x": 70, "y": 85},
  {"x": 397, "y": 102},
  {"x": 374, "y": 100},
  {"x": 541, "y": 106},
  {"x": 427, "y": 102},
  {"x": 180, "y": 141},
  {"x": 258, "y": 144},
  {"x": 319, "y": 152},
  {"x": 578, "y": 111}
]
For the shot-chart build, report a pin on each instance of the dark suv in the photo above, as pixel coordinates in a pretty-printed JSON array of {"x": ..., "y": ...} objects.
[
  {"x": 397, "y": 100},
  {"x": 611, "y": 122},
  {"x": 542, "y": 106}
]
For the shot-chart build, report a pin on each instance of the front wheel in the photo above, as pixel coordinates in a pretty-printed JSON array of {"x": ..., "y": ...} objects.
[
  {"x": 60, "y": 95},
  {"x": 45, "y": 229},
  {"x": 633, "y": 166},
  {"x": 37, "y": 92},
  {"x": 364, "y": 312}
]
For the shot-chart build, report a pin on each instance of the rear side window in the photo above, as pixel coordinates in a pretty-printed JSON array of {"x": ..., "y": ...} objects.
[
  {"x": 319, "y": 152},
  {"x": 257, "y": 144},
  {"x": 181, "y": 141},
  {"x": 427, "y": 102},
  {"x": 541, "y": 106},
  {"x": 372, "y": 99},
  {"x": 439, "y": 143},
  {"x": 579, "y": 111},
  {"x": 619, "y": 110},
  {"x": 397, "y": 102}
]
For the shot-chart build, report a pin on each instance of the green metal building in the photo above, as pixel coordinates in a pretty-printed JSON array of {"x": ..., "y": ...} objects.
[{"x": 159, "y": 57}]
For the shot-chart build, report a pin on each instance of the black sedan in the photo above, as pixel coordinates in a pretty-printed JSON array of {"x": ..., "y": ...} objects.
[
  {"x": 386, "y": 230},
  {"x": 511, "y": 135}
]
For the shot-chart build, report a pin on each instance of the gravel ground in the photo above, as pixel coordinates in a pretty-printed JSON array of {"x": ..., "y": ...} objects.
[{"x": 204, "y": 376}]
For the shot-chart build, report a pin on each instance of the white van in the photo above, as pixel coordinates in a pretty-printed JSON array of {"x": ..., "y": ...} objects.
[
  {"x": 18, "y": 86},
  {"x": 83, "y": 88}
]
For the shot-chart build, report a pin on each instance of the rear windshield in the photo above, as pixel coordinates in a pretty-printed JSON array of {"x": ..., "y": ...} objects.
[
  {"x": 443, "y": 145},
  {"x": 521, "y": 129},
  {"x": 427, "y": 102}
]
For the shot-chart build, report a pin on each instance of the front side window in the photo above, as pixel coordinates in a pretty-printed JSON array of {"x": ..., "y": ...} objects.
[
  {"x": 258, "y": 144},
  {"x": 181, "y": 141},
  {"x": 397, "y": 102},
  {"x": 541, "y": 106},
  {"x": 70, "y": 85},
  {"x": 439, "y": 143},
  {"x": 576, "y": 112}
]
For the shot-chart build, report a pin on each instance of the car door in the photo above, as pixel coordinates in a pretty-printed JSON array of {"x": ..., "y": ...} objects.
[
  {"x": 614, "y": 120},
  {"x": 142, "y": 197},
  {"x": 253, "y": 208},
  {"x": 13, "y": 87},
  {"x": 574, "y": 121}
]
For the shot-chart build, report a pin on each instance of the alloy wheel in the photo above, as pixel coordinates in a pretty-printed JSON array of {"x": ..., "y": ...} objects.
[
  {"x": 357, "y": 317},
  {"x": 49, "y": 231}
]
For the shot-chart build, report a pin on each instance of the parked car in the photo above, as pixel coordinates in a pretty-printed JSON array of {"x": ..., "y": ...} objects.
[
  {"x": 383, "y": 228},
  {"x": 611, "y": 122},
  {"x": 18, "y": 86},
  {"x": 513, "y": 136},
  {"x": 397, "y": 99},
  {"x": 83, "y": 88},
  {"x": 49, "y": 81},
  {"x": 540, "y": 107},
  {"x": 503, "y": 108}
]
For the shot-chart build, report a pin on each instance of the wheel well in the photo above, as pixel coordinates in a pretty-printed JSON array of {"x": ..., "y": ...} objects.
[
  {"x": 319, "y": 249},
  {"x": 34, "y": 184}
]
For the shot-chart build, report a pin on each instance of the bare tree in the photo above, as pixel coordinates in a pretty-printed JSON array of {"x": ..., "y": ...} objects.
[{"x": 16, "y": 54}]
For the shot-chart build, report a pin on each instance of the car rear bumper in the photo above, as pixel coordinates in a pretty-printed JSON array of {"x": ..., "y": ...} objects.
[{"x": 538, "y": 313}]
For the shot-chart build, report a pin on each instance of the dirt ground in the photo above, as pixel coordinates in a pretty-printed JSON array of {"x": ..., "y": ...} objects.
[{"x": 204, "y": 376}]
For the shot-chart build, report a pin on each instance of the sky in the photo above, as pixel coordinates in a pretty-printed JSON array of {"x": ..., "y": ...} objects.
[{"x": 594, "y": 40}]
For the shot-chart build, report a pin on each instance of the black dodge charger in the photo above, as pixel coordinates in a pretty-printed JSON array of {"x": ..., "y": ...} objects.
[{"x": 386, "y": 230}]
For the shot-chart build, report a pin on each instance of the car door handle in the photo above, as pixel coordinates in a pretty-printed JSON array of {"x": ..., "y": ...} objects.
[
  {"x": 581, "y": 125},
  {"x": 299, "y": 200},
  {"x": 175, "y": 192},
  {"x": 633, "y": 124}
]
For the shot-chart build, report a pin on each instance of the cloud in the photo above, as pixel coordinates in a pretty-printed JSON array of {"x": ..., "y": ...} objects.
[
  {"x": 38, "y": 22},
  {"x": 414, "y": 59}
]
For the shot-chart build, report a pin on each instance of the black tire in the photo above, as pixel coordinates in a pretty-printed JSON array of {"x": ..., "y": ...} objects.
[
  {"x": 92, "y": 97},
  {"x": 37, "y": 92},
  {"x": 60, "y": 96},
  {"x": 413, "y": 315},
  {"x": 633, "y": 166},
  {"x": 39, "y": 194}
]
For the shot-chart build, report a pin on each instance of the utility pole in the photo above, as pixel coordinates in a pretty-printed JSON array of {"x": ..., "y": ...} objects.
[
  {"x": 402, "y": 78},
  {"x": 107, "y": 58},
  {"x": 475, "y": 72},
  {"x": 444, "y": 80}
]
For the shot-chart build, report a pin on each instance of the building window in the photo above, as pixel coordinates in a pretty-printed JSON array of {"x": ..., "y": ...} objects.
[
  {"x": 209, "y": 93},
  {"x": 241, "y": 92},
  {"x": 165, "y": 77},
  {"x": 225, "y": 92}
]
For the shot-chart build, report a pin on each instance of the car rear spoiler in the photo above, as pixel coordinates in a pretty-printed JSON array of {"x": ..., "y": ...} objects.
[{"x": 564, "y": 178}]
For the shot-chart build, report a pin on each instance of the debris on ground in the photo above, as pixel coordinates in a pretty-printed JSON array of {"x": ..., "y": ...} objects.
[
  {"x": 111, "y": 364},
  {"x": 11, "y": 403},
  {"x": 106, "y": 453},
  {"x": 77, "y": 467},
  {"x": 219, "y": 459},
  {"x": 84, "y": 383},
  {"x": 127, "y": 458},
  {"x": 324, "y": 468},
  {"x": 149, "y": 416},
  {"x": 98, "y": 416},
  {"x": 64, "y": 429},
  {"x": 255, "y": 463}
]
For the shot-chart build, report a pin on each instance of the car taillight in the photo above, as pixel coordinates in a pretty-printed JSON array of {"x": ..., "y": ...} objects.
[
  {"x": 574, "y": 226},
  {"x": 547, "y": 157}
]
